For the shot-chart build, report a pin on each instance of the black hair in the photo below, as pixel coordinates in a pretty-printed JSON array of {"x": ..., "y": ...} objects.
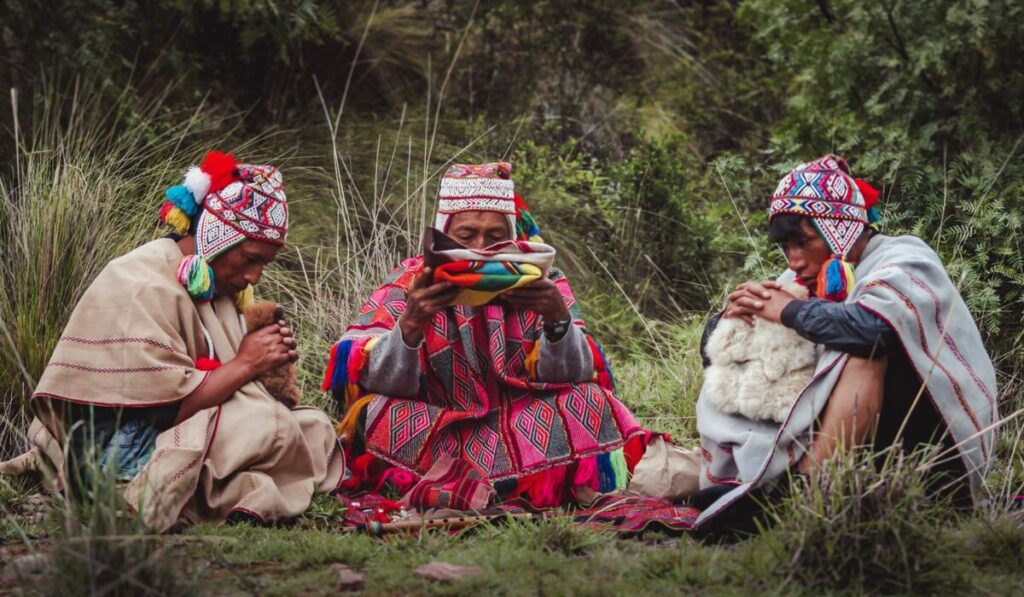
[{"x": 785, "y": 227}]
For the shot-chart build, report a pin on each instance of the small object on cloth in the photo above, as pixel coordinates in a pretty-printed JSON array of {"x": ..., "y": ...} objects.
[
  {"x": 450, "y": 483},
  {"x": 348, "y": 579},
  {"x": 666, "y": 471},
  {"x": 362, "y": 511},
  {"x": 207, "y": 364},
  {"x": 638, "y": 514},
  {"x": 759, "y": 370},
  {"x": 838, "y": 206},
  {"x": 445, "y": 572},
  {"x": 486, "y": 273},
  {"x": 280, "y": 382}
]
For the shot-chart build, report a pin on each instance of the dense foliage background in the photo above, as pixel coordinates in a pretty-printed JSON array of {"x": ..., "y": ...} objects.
[{"x": 659, "y": 126}]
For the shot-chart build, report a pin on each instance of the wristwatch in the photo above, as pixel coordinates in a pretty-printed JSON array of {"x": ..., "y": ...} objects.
[{"x": 556, "y": 330}]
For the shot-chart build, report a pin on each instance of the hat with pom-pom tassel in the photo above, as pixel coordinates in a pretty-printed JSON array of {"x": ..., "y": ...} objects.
[
  {"x": 223, "y": 203},
  {"x": 485, "y": 187},
  {"x": 839, "y": 208}
]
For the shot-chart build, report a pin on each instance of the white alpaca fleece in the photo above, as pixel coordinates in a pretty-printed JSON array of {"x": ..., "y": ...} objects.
[{"x": 758, "y": 371}]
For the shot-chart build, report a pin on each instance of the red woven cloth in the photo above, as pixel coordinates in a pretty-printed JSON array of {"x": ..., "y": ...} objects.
[{"x": 638, "y": 514}]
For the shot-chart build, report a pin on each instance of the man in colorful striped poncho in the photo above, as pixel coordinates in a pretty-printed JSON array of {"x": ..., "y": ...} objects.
[
  {"x": 903, "y": 364},
  {"x": 513, "y": 391}
]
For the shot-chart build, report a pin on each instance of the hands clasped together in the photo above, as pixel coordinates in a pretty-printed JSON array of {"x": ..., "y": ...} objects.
[
  {"x": 426, "y": 298},
  {"x": 267, "y": 348},
  {"x": 762, "y": 299}
]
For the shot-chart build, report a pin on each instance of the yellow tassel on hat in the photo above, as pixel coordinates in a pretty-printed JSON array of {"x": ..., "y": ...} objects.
[
  {"x": 245, "y": 298},
  {"x": 175, "y": 218}
]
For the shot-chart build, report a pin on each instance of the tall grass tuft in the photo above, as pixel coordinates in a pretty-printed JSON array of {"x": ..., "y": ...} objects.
[
  {"x": 84, "y": 188},
  {"x": 854, "y": 526},
  {"x": 102, "y": 547}
]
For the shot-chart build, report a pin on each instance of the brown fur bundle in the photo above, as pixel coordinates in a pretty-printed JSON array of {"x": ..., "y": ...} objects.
[{"x": 280, "y": 382}]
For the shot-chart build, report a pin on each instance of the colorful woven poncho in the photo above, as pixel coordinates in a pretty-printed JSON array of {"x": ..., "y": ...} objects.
[
  {"x": 485, "y": 274},
  {"x": 479, "y": 399}
]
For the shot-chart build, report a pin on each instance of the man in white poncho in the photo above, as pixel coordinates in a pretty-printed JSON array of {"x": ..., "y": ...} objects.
[{"x": 901, "y": 362}]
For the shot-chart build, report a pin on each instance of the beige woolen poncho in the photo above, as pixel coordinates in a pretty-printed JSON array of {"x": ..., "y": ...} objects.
[{"x": 132, "y": 342}]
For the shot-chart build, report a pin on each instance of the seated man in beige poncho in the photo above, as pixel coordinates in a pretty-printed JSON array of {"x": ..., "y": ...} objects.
[{"x": 155, "y": 372}]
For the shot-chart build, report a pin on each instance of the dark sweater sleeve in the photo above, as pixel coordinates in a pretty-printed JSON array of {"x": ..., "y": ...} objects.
[{"x": 845, "y": 327}]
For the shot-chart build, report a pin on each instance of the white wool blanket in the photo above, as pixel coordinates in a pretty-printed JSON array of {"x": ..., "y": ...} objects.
[
  {"x": 758, "y": 370},
  {"x": 903, "y": 281}
]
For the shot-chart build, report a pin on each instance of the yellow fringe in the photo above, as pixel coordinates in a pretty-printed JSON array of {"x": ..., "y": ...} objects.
[
  {"x": 347, "y": 427},
  {"x": 531, "y": 361},
  {"x": 355, "y": 404}
]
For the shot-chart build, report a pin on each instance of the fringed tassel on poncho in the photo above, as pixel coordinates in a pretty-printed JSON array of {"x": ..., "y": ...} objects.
[{"x": 344, "y": 368}]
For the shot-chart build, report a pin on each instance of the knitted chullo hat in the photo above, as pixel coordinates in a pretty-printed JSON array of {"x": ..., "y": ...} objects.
[
  {"x": 223, "y": 204},
  {"x": 485, "y": 187},
  {"x": 839, "y": 207}
]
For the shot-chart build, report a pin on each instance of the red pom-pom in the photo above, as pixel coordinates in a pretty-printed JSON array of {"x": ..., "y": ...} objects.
[
  {"x": 166, "y": 207},
  {"x": 221, "y": 168},
  {"x": 207, "y": 364},
  {"x": 869, "y": 192}
]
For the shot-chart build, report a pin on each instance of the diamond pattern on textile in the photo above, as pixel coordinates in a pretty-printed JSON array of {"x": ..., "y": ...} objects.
[
  {"x": 838, "y": 186},
  {"x": 462, "y": 388},
  {"x": 481, "y": 447},
  {"x": 446, "y": 444},
  {"x": 408, "y": 419},
  {"x": 580, "y": 403},
  {"x": 534, "y": 423},
  {"x": 818, "y": 209},
  {"x": 256, "y": 205},
  {"x": 215, "y": 236}
]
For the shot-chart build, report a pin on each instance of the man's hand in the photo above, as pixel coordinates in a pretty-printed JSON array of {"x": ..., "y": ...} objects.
[
  {"x": 777, "y": 301},
  {"x": 541, "y": 296},
  {"x": 267, "y": 348},
  {"x": 749, "y": 299},
  {"x": 260, "y": 351},
  {"x": 424, "y": 300}
]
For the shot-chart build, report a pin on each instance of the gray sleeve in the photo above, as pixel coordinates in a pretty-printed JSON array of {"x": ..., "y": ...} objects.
[
  {"x": 567, "y": 361},
  {"x": 393, "y": 368}
]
